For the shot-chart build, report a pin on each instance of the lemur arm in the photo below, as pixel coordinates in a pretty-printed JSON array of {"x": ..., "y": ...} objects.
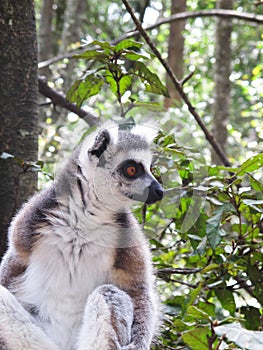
[
  {"x": 133, "y": 276},
  {"x": 143, "y": 322},
  {"x": 17, "y": 327}
]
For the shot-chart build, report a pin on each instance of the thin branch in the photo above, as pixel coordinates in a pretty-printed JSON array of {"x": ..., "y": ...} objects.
[
  {"x": 243, "y": 284},
  {"x": 59, "y": 99},
  {"x": 178, "y": 86},
  {"x": 248, "y": 17},
  {"x": 188, "y": 77},
  {"x": 179, "y": 271}
]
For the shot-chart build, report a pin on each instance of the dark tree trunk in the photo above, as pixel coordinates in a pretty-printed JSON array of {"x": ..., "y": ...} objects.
[
  {"x": 18, "y": 107},
  {"x": 175, "y": 51},
  {"x": 222, "y": 82}
]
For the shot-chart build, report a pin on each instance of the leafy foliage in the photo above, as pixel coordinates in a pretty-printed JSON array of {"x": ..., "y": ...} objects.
[
  {"x": 222, "y": 251},
  {"x": 114, "y": 72}
]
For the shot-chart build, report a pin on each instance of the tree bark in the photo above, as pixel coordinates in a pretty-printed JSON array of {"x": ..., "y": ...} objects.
[
  {"x": 175, "y": 51},
  {"x": 222, "y": 82},
  {"x": 18, "y": 107}
]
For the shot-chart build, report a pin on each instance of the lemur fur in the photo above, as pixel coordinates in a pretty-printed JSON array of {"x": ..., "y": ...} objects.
[{"x": 77, "y": 273}]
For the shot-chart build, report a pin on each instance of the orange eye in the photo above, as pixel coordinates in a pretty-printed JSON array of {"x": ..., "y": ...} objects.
[{"x": 131, "y": 170}]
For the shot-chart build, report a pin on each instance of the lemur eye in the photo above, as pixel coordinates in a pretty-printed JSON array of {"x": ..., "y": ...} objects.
[{"x": 131, "y": 170}]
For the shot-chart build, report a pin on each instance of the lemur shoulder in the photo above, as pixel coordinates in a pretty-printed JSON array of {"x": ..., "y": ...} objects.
[{"x": 77, "y": 274}]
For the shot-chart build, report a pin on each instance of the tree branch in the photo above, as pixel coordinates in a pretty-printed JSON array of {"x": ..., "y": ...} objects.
[
  {"x": 178, "y": 86},
  {"x": 59, "y": 99},
  {"x": 248, "y": 17},
  {"x": 179, "y": 271}
]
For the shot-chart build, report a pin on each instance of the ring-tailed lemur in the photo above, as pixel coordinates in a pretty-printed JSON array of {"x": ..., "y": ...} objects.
[{"x": 77, "y": 274}]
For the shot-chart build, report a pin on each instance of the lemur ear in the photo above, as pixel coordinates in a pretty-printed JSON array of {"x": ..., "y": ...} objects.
[{"x": 101, "y": 143}]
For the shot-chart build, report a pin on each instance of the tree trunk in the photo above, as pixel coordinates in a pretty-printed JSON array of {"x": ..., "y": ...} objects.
[
  {"x": 45, "y": 41},
  {"x": 222, "y": 82},
  {"x": 18, "y": 107},
  {"x": 72, "y": 26},
  {"x": 175, "y": 51}
]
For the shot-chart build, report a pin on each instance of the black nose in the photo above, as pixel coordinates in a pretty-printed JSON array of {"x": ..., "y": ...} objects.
[{"x": 155, "y": 193}]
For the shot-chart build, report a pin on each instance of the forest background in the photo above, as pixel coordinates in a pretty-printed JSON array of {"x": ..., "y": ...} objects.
[{"x": 206, "y": 235}]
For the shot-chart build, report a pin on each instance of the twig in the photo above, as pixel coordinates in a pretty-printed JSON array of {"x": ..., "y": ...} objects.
[
  {"x": 188, "y": 77},
  {"x": 249, "y": 17},
  {"x": 243, "y": 284},
  {"x": 178, "y": 86},
  {"x": 59, "y": 99},
  {"x": 179, "y": 271},
  {"x": 220, "y": 341}
]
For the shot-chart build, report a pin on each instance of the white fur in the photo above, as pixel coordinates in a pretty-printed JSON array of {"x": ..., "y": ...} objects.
[
  {"x": 22, "y": 329},
  {"x": 98, "y": 316},
  {"x": 60, "y": 287},
  {"x": 73, "y": 260},
  {"x": 148, "y": 132}
]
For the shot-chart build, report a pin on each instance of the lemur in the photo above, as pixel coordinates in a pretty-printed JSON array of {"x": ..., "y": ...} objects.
[{"x": 77, "y": 273}]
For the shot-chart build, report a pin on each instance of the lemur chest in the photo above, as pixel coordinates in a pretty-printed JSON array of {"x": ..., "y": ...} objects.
[{"x": 60, "y": 277}]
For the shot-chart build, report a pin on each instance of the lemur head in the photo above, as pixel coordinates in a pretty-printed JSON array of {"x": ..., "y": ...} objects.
[{"x": 118, "y": 164}]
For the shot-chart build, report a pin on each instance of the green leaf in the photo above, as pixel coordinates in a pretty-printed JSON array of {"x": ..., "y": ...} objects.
[
  {"x": 103, "y": 44},
  {"x": 194, "y": 312},
  {"x": 111, "y": 81},
  {"x": 209, "y": 268},
  {"x": 93, "y": 55},
  {"x": 255, "y": 184},
  {"x": 253, "y": 204},
  {"x": 197, "y": 338},
  {"x": 256, "y": 277},
  {"x": 226, "y": 299},
  {"x": 213, "y": 225},
  {"x": 40, "y": 163},
  {"x": 156, "y": 88},
  {"x": 214, "y": 235},
  {"x": 252, "y": 317},
  {"x": 125, "y": 83},
  {"x": 127, "y": 44},
  {"x": 252, "y": 164},
  {"x": 134, "y": 56},
  {"x": 207, "y": 307},
  {"x": 81, "y": 90},
  {"x": 150, "y": 80},
  {"x": 215, "y": 169}
]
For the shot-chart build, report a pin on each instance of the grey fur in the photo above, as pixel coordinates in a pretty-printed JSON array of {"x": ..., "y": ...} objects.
[{"x": 78, "y": 268}]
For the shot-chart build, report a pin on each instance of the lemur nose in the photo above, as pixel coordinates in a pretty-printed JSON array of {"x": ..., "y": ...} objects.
[
  {"x": 159, "y": 193},
  {"x": 155, "y": 194}
]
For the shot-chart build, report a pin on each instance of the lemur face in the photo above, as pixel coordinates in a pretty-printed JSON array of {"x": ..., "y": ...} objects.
[
  {"x": 136, "y": 181},
  {"x": 121, "y": 163}
]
